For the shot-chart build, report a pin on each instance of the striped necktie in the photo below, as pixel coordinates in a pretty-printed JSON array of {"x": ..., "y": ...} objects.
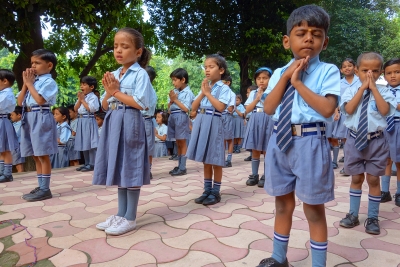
[
  {"x": 390, "y": 120},
  {"x": 284, "y": 127},
  {"x": 362, "y": 130}
]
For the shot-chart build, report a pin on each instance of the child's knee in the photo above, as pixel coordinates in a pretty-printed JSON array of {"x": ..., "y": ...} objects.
[
  {"x": 314, "y": 213},
  {"x": 357, "y": 179},
  {"x": 373, "y": 181},
  {"x": 284, "y": 205}
]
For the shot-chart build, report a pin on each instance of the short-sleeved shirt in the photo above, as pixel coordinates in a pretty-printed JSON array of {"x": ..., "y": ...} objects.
[
  {"x": 162, "y": 130},
  {"x": 185, "y": 96},
  {"x": 252, "y": 97},
  {"x": 344, "y": 84},
  {"x": 73, "y": 124},
  {"x": 321, "y": 78},
  {"x": 224, "y": 94},
  {"x": 241, "y": 110},
  {"x": 232, "y": 101},
  {"x": 64, "y": 132},
  {"x": 397, "y": 97},
  {"x": 46, "y": 87},
  {"x": 7, "y": 101},
  {"x": 149, "y": 111},
  {"x": 17, "y": 128},
  {"x": 376, "y": 122},
  {"x": 93, "y": 102}
]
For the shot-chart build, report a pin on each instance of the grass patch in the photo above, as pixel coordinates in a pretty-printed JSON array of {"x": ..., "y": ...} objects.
[
  {"x": 42, "y": 263},
  {"x": 49, "y": 234},
  {"x": 8, "y": 259},
  {"x": 7, "y": 242}
]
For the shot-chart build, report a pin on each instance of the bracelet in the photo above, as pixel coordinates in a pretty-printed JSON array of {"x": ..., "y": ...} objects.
[{"x": 115, "y": 93}]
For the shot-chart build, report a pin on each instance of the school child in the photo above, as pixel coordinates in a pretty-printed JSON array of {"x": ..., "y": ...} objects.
[
  {"x": 180, "y": 102},
  {"x": 15, "y": 117},
  {"x": 160, "y": 150},
  {"x": 39, "y": 140},
  {"x": 207, "y": 141},
  {"x": 122, "y": 157},
  {"x": 259, "y": 128},
  {"x": 238, "y": 122},
  {"x": 73, "y": 155},
  {"x": 247, "y": 119},
  {"x": 366, "y": 106},
  {"x": 87, "y": 135},
  {"x": 61, "y": 159},
  {"x": 99, "y": 116},
  {"x": 8, "y": 138},
  {"x": 227, "y": 119},
  {"x": 391, "y": 70},
  {"x": 302, "y": 96}
]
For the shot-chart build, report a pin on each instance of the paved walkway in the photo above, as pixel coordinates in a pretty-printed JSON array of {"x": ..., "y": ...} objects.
[{"x": 173, "y": 230}]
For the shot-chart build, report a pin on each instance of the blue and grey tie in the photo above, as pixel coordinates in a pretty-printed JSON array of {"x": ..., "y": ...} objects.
[
  {"x": 390, "y": 120},
  {"x": 284, "y": 127},
  {"x": 362, "y": 130}
]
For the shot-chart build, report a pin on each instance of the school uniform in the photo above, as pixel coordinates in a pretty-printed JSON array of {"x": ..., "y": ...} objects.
[
  {"x": 305, "y": 166},
  {"x": 207, "y": 140},
  {"x": 100, "y": 130},
  {"x": 16, "y": 154},
  {"x": 178, "y": 121},
  {"x": 39, "y": 130},
  {"x": 148, "y": 116},
  {"x": 238, "y": 122},
  {"x": 160, "y": 149},
  {"x": 61, "y": 159},
  {"x": 393, "y": 134},
  {"x": 72, "y": 153},
  {"x": 227, "y": 118},
  {"x": 122, "y": 156},
  {"x": 372, "y": 159},
  {"x": 8, "y": 137}
]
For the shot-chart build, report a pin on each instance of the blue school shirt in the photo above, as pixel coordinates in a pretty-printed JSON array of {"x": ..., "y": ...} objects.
[
  {"x": 185, "y": 96},
  {"x": 7, "y": 101},
  {"x": 46, "y": 87},
  {"x": 252, "y": 96},
  {"x": 397, "y": 98},
  {"x": 73, "y": 124},
  {"x": 344, "y": 84},
  {"x": 320, "y": 77},
  {"x": 136, "y": 83},
  {"x": 149, "y": 111},
  {"x": 17, "y": 128},
  {"x": 65, "y": 132},
  {"x": 99, "y": 130},
  {"x": 376, "y": 122},
  {"x": 224, "y": 94},
  {"x": 241, "y": 110},
  {"x": 232, "y": 100},
  {"x": 93, "y": 103},
  {"x": 162, "y": 130}
]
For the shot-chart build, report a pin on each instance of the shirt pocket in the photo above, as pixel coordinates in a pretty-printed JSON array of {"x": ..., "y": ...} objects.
[
  {"x": 373, "y": 110},
  {"x": 128, "y": 90}
]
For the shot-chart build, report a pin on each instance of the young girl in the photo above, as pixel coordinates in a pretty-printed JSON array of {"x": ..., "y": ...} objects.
[
  {"x": 207, "y": 140},
  {"x": 87, "y": 135},
  {"x": 238, "y": 122},
  {"x": 61, "y": 159},
  {"x": 74, "y": 156},
  {"x": 260, "y": 126},
  {"x": 99, "y": 120},
  {"x": 160, "y": 150},
  {"x": 122, "y": 157},
  {"x": 247, "y": 118}
]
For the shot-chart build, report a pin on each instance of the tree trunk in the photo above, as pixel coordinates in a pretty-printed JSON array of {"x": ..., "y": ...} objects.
[
  {"x": 23, "y": 60},
  {"x": 245, "y": 82}
]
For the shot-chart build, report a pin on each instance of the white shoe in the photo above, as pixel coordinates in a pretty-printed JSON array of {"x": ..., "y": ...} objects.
[
  {"x": 121, "y": 226},
  {"x": 110, "y": 220}
]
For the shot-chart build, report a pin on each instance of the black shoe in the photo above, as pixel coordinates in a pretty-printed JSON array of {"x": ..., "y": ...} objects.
[
  {"x": 271, "y": 262},
  {"x": 342, "y": 172},
  {"x": 249, "y": 158},
  {"x": 179, "y": 172},
  {"x": 175, "y": 157},
  {"x": 372, "y": 226},
  {"x": 253, "y": 180},
  {"x": 397, "y": 200},
  {"x": 39, "y": 195},
  {"x": 151, "y": 176},
  {"x": 34, "y": 191},
  {"x": 350, "y": 221},
  {"x": 172, "y": 157},
  {"x": 334, "y": 165},
  {"x": 80, "y": 168},
  {"x": 213, "y": 198},
  {"x": 174, "y": 170},
  {"x": 6, "y": 178},
  {"x": 394, "y": 173},
  {"x": 385, "y": 197},
  {"x": 88, "y": 168},
  {"x": 341, "y": 160},
  {"x": 228, "y": 164},
  {"x": 261, "y": 182},
  {"x": 200, "y": 199}
]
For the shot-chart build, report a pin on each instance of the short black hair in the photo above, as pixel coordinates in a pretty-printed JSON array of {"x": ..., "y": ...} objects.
[
  {"x": 18, "y": 110},
  {"x": 71, "y": 107},
  {"x": 315, "y": 16},
  {"x": 350, "y": 60},
  {"x": 151, "y": 72},
  {"x": 100, "y": 115},
  {"x": 369, "y": 56},
  {"x": 46, "y": 55},
  {"x": 391, "y": 62},
  {"x": 8, "y": 75},
  {"x": 64, "y": 112},
  {"x": 180, "y": 74},
  {"x": 228, "y": 79},
  {"x": 89, "y": 80}
]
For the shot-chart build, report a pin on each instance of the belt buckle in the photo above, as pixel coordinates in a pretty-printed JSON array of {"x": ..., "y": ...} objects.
[
  {"x": 260, "y": 110},
  {"x": 296, "y": 130},
  {"x": 202, "y": 110},
  {"x": 113, "y": 106},
  {"x": 28, "y": 109}
]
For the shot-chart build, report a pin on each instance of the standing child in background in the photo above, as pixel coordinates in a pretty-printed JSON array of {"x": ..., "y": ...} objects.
[
  {"x": 259, "y": 128},
  {"x": 366, "y": 106},
  {"x": 8, "y": 138},
  {"x": 87, "y": 135},
  {"x": 74, "y": 156},
  {"x": 247, "y": 119},
  {"x": 122, "y": 157},
  {"x": 39, "y": 140},
  {"x": 61, "y": 159},
  {"x": 18, "y": 161},
  {"x": 391, "y": 70},
  {"x": 207, "y": 141},
  {"x": 99, "y": 116},
  {"x": 238, "y": 124},
  {"x": 160, "y": 150},
  {"x": 227, "y": 119},
  {"x": 180, "y": 103}
]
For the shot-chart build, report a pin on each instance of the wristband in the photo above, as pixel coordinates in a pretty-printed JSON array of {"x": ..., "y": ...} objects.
[{"x": 115, "y": 93}]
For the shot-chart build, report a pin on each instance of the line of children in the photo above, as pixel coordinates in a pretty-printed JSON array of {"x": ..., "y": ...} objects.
[
  {"x": 161, "y": 130},
  {"x": 64, "y": 132},
  {"x": 74, "y": 155},
  {"x": 238, "y": 124},
  {"x": 15, "y": 117},
  {"x": 227, "y": 119}
]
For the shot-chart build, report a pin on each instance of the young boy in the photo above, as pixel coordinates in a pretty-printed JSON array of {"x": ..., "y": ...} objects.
[
  {"x": 8, "y": 138},
  {"x": 180, "y": 102},
  {"x": 391, "y": 71},
  {"x": 18, "y": 161},
  {"x": 99, "y": 116},
  {"x": 366, "y": 106},
  {"x": 302, "y": 97},
  {"x": 38, "y": 94}
]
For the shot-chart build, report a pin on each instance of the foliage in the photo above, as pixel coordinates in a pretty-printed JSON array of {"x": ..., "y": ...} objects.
[{"x": 6, "y": 62}]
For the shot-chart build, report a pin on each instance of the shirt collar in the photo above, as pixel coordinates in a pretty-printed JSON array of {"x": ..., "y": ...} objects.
[
  {"x": 47, "y": 75},
  {"x": 184, "y": 89},
  {"x": 395, "y": 88},
  {"x": 63, "y": 124},
  {"x": 8, "y": 89},
  {"x": 219, "y": 83}
]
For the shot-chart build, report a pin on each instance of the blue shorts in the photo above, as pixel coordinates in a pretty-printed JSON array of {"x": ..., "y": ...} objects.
[
  {"x": 178, "y": 126},
  {"x": 393, "y": 139}
]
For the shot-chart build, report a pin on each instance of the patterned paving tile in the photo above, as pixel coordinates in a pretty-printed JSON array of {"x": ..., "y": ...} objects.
[
  {"x": 193, "y": 259},
  {"x": 223, "y": 252},
  {"x": 68, "y": 257},
  {"x": 131, "y": 258},
  {"x": 160, "y": 251},
  {"x": 99, "y": 250}
]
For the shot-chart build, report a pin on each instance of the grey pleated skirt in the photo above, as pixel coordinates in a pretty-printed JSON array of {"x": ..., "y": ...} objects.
[
  {"x": 8, "y": 137},
  {"x": 87, "y": 134},
  {"x": 238, "y": 123},
  {"x": 258, "y": 132},
  {"x": 229, "y": 128},
  {"x": 60, "y": 159}
]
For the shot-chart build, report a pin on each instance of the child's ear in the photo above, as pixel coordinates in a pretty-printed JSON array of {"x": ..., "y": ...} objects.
[
  {"x": 356, "y": 70},
  {"x": 50, "y": 65},
  {"x": 91, "y": 87},
  {"x": 183, "y": 80},
  {"x": 285, "y": 42},
  {"x": 325, "y": 43}
]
